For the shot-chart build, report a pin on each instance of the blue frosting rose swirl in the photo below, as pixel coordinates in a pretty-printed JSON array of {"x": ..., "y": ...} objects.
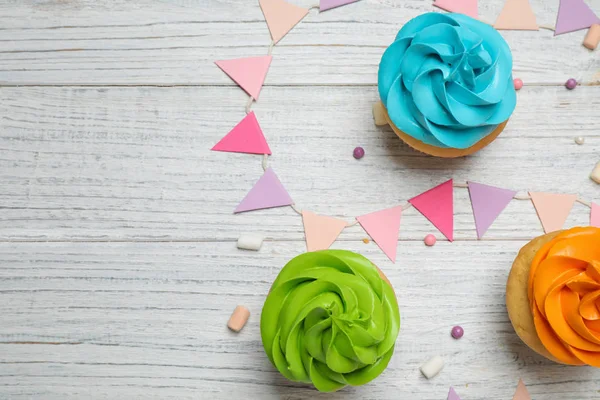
[{"x": 447, "y": 80}]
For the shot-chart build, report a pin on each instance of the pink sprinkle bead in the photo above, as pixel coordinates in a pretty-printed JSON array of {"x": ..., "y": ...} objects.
[
  {"x": 518, "y": 83},
  {"x": 457, "y": 332},
  {"x": 571, "y": 84},
  {"x": 430, "y": 240},
  {"x": 358, "y": 153}
]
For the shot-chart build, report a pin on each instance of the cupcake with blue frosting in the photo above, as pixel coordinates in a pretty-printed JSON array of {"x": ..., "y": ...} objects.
[{"x": 446, "y": 84}]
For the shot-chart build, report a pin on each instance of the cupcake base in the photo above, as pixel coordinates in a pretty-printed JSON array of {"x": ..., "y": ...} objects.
[
  {"x": 382, "y": 118},
  {"x": 517, "y": 299}
]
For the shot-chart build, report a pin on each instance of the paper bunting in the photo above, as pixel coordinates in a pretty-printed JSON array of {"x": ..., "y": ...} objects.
[
  {"x": 487, "y": 202},
  {"x": 321, "y": 231},
  {"x": 574, "y": 15},
  {"x": 553, "y": 209},
  {"x": 521, "y": 393},
  {"x": 248, "y": 72},
  {"x": 325, "y": 5},
  {"x": 517, "y": 15},
  {"x": 383, "y": 227},
  {"x": 281, "y": 17},
  {"x": 268, "y": 192},
  {"x": 452, "y": 395},
  {"x": 595, "y": 215},
  {"x": 245, "y": 137},
  {"x": 468, "y": 7},
  {"x": 437, "y": 205}
]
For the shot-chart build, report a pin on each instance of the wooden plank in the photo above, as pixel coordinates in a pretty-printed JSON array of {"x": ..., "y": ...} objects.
[
  {"x": 175, "y": 42},
  {"x": 148, "y": 319},
  {"x": 135, "y": 164}
]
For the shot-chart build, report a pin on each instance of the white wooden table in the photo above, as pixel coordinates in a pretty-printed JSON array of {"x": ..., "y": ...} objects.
[{"x": 118, "y": 265}]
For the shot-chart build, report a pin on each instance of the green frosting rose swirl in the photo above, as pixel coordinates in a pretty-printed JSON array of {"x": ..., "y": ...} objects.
[{"x": 330, "y": 320}]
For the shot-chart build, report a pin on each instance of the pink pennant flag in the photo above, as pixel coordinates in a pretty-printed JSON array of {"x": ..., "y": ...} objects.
[
  {"x": 281, "y": 17},
  {"x": 383, "y": 227},
  {"x": 595, "y": 215},
  {"x": 517, "y": 15},
  {"x": 321, "y": 231},
  {"x": 268, "y": 192},
  {"x": 552, "y": 209},
  {"x": 488, "y": 202},
  {"x": 468, "y": 7},
  {"x": 248, "y": 72},
  {"x": 521, "y": 393},
  {"x": 574, "y": 15},
  {"x": 325, "y": 5},
  {"x": 245, "y": 137},
  {"x": 452, "y": 395},
  {"x": 437, "y": 205}
]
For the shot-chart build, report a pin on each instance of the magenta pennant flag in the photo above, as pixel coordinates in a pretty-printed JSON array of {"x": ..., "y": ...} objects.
[
  {"x": 325, "y": 5},
  {"x": 437, "y": 205},
  {"x": 468, "y": 7},
  {"x": 383, "y": 227},
  {"x": 268, "y": 192},
  {"x": 574, "y": 15},
  {"x": 249, "y": 72},
  {"x": 452, "y": 395},
  {"x": 320, "y": 230},
  {"x": 487, "y": 202},
  {"x": 245, "y": 137},
  {"x": 595, "y": 215}
]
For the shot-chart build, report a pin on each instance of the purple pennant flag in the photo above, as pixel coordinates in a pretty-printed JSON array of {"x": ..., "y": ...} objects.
[
  {"x": 488, "y": 202},
  {"x": 452, "y": 395},
  {"x": 325, "y": 5},
  {"x": 268, "y": 192},
  {"x": 574, "y": 15}
]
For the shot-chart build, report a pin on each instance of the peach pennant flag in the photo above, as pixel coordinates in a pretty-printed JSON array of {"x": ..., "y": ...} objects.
[
  {"x": 249, "y": 73},
  {"x": 281, "y": 17},
  {"x": 383, "y": 227},
  {"x": 553, "y": 209},
  {"x": 517, "y": 15},
  {"x": 468, "y": 7},
  {"x": 521, "y": 393},
  {"x": 320, "y": 230}
]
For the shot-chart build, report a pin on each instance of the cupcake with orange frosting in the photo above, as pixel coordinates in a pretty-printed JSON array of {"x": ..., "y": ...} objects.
[{"x": 553, "y": 296}]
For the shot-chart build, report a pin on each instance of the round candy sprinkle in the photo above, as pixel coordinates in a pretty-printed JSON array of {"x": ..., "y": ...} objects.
[
  {"x": 430, "y": 240},
  {"x": 518, "y": 83},
  {"x": 571, "y": 84},
  {"x": 457, "y": 332},
  {"x": 580, "y": 140},
  {"x": 359, "y": 153},
  {"x": 366, "y": 241}
]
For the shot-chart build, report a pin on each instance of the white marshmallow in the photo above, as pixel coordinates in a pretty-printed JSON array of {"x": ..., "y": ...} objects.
[
  {"x": 432, "y": 367},
  {"x": 250, "y": 242},
  {"x": 595, "y": 175}
]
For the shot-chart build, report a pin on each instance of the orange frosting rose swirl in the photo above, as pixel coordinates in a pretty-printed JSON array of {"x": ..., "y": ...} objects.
[{"x": 564, "y": 294}]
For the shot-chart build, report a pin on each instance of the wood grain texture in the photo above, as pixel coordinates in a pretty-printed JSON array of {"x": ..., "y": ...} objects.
[
  {"x": 175, "y": 42},
  {"x": 118, "y": 267}
]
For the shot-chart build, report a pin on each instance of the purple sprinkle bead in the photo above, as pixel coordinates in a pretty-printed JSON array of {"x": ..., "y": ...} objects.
[
  {"x": 457, "y": 332},
  {"x": 571, "y": 84},
  {"x": 359, "y": 153}
]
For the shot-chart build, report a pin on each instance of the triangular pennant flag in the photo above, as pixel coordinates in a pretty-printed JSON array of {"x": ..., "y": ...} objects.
[
  {"x": 248, "y": 72},
  {"x": 517, "y": 15},
  {"x": 488, "y": 202},
  {"x": 468, "y": 7},
  {"x": 452, "y": 395},
  {"x": 268, "y": 192},
  {"x": 437, "y": 205},
  {"x": 553, "y": 209},
  {"x": 245, "y": 137},
  {"x": 383, "y": 227},
  {"x": 321, "y": 231},
  {"x": 281, "y": 17},
  {"x": 574, "y": 15},
  {"x": 595, "y": 215},
  {"x": 325, "y": 5},
  {"x": 521, "y": 393}
]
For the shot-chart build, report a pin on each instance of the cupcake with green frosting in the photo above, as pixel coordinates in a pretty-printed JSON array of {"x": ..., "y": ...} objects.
[{"x": 330, "y": 319}]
